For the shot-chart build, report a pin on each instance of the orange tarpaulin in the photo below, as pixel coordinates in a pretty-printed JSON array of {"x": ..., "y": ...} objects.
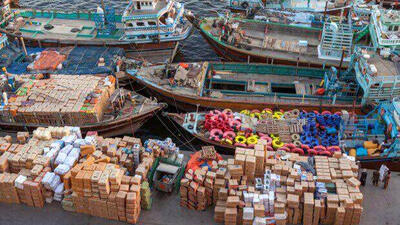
[
  {"x": 49, "y": 60},
  {"x": 195, "y": 161}
]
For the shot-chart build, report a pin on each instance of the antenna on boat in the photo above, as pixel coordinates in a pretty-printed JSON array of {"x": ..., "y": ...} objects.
[{"x": 341, "y": 61}]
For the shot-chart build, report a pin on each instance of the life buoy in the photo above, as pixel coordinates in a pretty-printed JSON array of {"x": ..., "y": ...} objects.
[
  {"x": 297, "y": 143},
  {"x": 325, "y": 153},
  {"x": 266, "y": 110},
  {"x": 240, "y": 139},
  {"x": 227, "y": 141},
  {"x": 326, "y": 113},
  {"x": 312, "y": 152},
  {"x": 215, "y": 112},
  {"x": 252, "y": 140},
  {"x": 295, "y": 112},
  {"x": 291, "y": 146},
  {"x": 268, "y": 139},
  {"x": 284, "y": 149},
  {"x": 295, "y": 137},
  {"x": 228, "y": 112},
  {"x": 298, "y": 151},
  {"x": 237, "y": 144},
  {"x": 216, "y": 134},
  {"x": 245, "y": 112},
  {"x": 305, "y": 147},
  {"x": 229, "y": 135},
  {"x": 274, "y": 136},
  {"x": 320, "y": 148},
  {"x": 257, "y": 115},
  {"x": 276, "y": 143},
  {"x": 235, "y": 124},
  {"x": 333, "y": 149},
  {"x": 269, "y": 148}
]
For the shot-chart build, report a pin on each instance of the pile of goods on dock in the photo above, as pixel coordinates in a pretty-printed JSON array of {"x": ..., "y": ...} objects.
[
  {"x": 61, "y": 99},
  {"x": 164, "y": 149},
  {"x": 198, "y": 185},
  {"x": 93, "y": 175},
  {"x": 262, "y": 187},
  {"x": 291, "y": 131}
]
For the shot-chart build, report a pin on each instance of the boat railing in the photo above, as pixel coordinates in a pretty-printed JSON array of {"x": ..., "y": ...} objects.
[{"x": 377, "y": 26}]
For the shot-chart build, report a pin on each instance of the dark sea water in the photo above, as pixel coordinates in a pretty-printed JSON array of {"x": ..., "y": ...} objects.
[{"x": 193, "y": 49}]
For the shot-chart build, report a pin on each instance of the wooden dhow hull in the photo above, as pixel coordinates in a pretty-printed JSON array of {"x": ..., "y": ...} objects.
[
  {"x": 121, "y": 126},
  {"x": 187, "y": 103}
]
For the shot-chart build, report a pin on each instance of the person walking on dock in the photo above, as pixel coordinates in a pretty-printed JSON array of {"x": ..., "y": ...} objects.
[
  {"x": 363, "y": 177},
  {"x": 386, "y": 180},
  {"x": 375, "y": 178}
]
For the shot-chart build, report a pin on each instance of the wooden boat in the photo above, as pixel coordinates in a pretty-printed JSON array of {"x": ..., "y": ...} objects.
[
  {"x": 144, "y": 26},
  {"x": 381, "y": 125},
  {"x": 179, "y": 119},
  {"x": 238, "y": 86},
  {"x": 315, "y": 6},
  {"x": 273, "y": 43},
  {"x": 122, "y": 113}
]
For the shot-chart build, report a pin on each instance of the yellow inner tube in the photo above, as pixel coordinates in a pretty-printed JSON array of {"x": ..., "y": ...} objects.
[
  {"x": 227, "y": 141},
  {"x": 245, "y": 112},
  {"x": 252, "y": 140},
  {"x": 274, "y": 136},
  {"x": 276, "y": 143},
  {"x": 266, "y": 111},
  {"x": 240, "y": 139},
  {"x": 258, "y": 115}
]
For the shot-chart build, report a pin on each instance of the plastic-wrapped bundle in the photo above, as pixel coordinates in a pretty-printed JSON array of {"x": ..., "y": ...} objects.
[
  {"x": 67, "y": 149},
  {"x": 75, "y": 153},
  {"x": 62, "y": 169},
  {"x": 79, "y": 142},
  {"x": 59, "y": 192},
  {"x": 19, "y": 182},
  {"x": 90, "y": 140},
  {"x": 52, "y": 154},
  {"x": 60, "y": 158},
  {"x": 76, "y": 131},
  {"x": 46, "y": 150},
  {"x": 70, "y": 161},
  {"x": 59, "y": 144},
  {"x": 47, "y": 179},
  {"x": 55, "y": 182},
  {"x": 69, "y": 140}
]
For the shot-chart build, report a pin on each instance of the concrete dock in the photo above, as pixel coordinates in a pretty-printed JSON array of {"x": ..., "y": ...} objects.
[{"x": 380, "y": 208}]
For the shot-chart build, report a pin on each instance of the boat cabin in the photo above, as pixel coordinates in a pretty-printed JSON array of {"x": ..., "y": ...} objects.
[
  {"x": 378, "y": 74},
  {"x": 384, "y": 28}
]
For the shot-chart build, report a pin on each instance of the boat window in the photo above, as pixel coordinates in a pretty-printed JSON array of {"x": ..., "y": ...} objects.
[
  {"x": 228, "y": 86},
  {"x": 283, "y": 88},
  {"x": 129, "y": 24},
  {"x": 152, "y": 23},
  {"x": 142, "y": 36},
  {"x": 163, "y": 18},
  {"x": 140, "y": 24},
  {"x": 138, "y": 5}
]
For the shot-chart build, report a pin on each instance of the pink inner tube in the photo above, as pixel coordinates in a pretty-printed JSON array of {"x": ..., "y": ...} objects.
[
  {"x": 240, "y": 145},
  {"x": 312, "y": 152},
  {"x": 228, "y": 112},
  {"x": 286, "y": 149},
  {"x": 269, "y": 148},
  {"x": 229, "y": 134},
  {"x": 326, "y": 113},
  {"x": 338, "y": 113},
  {"x": 320, "y": 148},
  {"x": 250, "y": 145},
  {"x": 255, "y": 111},
  {"x": 298, "y": 150},
  {"x": 333, "y": 149},
  {"x": 267, "y": 109},
  {"x": 289, "y": 145},
  {"x": 326, "y": 153},
  {"x": 235, "y": 124},
  {"x": 305, "y": 147},
  {"x": 268, "y": 139},
  {"x": 223, "y": 117}
]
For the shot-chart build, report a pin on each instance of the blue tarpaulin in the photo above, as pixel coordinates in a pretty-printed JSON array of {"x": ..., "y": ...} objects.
[{"x": 80, "y": 60}]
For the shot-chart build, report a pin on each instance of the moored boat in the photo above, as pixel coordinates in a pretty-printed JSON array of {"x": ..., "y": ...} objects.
[
  {"x": 210, "y": 85},
  {"x": 301, "y": 132},
  {"x": 373, "y": 139},
  {"x": 252, "y": 40},
  {"x": 145, "y": 25},
  {"x": 90, "y": 102},
  {"x": 316, "y": 6}
]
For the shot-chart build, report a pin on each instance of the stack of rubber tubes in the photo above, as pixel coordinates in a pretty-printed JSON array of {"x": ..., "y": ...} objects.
[{"x": 320, "y": 132}]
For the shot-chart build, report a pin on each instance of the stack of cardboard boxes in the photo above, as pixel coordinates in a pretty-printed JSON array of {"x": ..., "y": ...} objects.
[{"x": 286, "y": 192}]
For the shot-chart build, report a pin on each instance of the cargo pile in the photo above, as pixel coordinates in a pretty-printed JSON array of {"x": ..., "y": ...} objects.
[
  {"x": 197, "y": 190},
  {"x": 305, "y": 133},
  {"x": 92, "y": 175},
  {"x": 260, "y": 186},
  {"x": 61, "y": 99}
]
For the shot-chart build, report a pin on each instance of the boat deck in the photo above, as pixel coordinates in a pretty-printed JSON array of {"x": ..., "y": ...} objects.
[
  {"x": 35, "y": 28},
  {"x": 247, "y": 87},
  {"x": 384, "y": 66},
  {"x": 279, "y": 43}
]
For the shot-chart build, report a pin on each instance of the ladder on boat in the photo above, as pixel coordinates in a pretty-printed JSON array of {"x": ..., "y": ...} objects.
[{"x": 361, "y": 33}]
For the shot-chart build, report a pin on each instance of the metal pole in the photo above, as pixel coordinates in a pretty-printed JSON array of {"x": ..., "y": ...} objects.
[
  {"x": 23, "y": 46},
  {"x": 341, "y": 61}
]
